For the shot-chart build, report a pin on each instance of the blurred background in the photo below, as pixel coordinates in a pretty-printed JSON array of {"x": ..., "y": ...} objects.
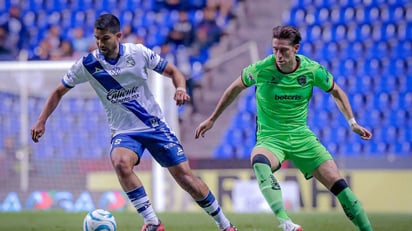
[{"x": 365, "y": 44}]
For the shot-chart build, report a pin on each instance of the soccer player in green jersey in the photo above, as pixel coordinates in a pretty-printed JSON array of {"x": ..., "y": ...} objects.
[{"x": 284, "y": 82}]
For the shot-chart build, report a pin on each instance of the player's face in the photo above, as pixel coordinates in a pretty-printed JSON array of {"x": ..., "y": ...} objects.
[
  {"x": 285, "y": 54},
  {"x": 107, "y": 42}
]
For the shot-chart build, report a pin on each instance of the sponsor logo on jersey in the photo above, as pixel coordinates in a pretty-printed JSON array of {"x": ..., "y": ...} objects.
[
  {"x": 154, "y": 122},
  {"x": 274, "y": 80},
  {"x": 302, "y": 80},
  {"x": 115, "y": 71},
  {"x": 288, "y": 97},
  {"x": 97, "y": 70},
  {"x": 122, "y": 95}
]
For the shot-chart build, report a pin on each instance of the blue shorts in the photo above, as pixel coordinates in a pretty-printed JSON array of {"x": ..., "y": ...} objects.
[{"x": 162, "y": 144}]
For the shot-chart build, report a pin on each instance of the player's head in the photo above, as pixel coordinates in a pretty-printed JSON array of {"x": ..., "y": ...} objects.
[
  {"x": 285, "y": 44},
  {"x": 107, "y": 34},
  {"x": 107, "y": 22}
]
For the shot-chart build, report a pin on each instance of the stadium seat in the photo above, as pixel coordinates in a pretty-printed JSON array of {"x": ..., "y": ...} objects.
[
  {"x": 322, "y": 15},
  {"x": 314, "y": 33},
  {"x": 224, "y": 151},
  {"x": 363, "y": 31},
  {"x": 297, "y": 17},
  {"x": 126, "y": 17},
  {"x": 133, "y": 4},
  {"x": 403, "y": 148},
  {"x": 351, "y": 148},
  {"x": 389, "y": 31},
  {"x": 372, "y": 14},
  {"x": 306, "y": 49}
]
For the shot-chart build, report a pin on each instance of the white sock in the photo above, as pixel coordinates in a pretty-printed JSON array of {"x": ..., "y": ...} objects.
[
  {"x": 212, "y": 207},
  {"x": 141, "y": 202}
]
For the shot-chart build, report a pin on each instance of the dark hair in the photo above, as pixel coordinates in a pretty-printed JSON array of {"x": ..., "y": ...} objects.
[
  {"x": 287, "y": 32},
  {"x": 107, "y": 22}
]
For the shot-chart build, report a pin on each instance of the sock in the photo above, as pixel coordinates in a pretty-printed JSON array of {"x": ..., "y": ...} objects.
[
  {"x": 212, "y": 207},
  {"x": 141, "y": 202},
  {"x": 271, "y": 190},
  {"x": 351, "y": 206}
]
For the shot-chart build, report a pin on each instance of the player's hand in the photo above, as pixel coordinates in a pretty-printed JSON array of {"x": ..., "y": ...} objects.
[
  {"x": 181, "y": 97},
  {"x": 37, "y": 131},
  {"x": 364, "y": 133},
  {"x": 203, "y": 128}
]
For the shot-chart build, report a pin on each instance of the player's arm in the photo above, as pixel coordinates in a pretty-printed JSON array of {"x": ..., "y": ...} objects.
[
  {"x": 225, "y": 100},
  {"x": 53, "y": 100},
  {"x": 179, "y": 81},
  {"x": 344, "y": 106}
]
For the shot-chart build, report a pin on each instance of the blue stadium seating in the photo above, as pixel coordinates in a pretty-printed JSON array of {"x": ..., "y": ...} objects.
[
  {"x": 368, "y": 49},
  {"x": 84, "y": 132}
]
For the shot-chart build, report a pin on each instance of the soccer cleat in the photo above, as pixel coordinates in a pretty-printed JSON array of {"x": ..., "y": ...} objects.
[
  {"x": 290, "y": 226},
  {"x": 151, "y": 227},
  {"x": 231, "y": 228}
]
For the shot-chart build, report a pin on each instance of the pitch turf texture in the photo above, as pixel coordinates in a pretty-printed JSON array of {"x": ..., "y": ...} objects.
[{"x": 61, "y": 221}]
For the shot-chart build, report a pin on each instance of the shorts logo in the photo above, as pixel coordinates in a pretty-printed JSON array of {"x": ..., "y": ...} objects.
[
  {"x": 302, "y": 80},
  {"x": 117, "y": 141},
  {"x": 179, "y": 151}
]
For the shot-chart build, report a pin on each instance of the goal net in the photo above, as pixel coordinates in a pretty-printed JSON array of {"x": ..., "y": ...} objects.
[{"x": 70, "y": 167}]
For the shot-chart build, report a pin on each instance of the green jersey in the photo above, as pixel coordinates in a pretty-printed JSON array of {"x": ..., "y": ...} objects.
[{"x": 282, "y": 99}]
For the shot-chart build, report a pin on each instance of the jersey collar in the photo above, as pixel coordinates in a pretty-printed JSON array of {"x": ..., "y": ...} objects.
[{"x": 114, "y": 61}]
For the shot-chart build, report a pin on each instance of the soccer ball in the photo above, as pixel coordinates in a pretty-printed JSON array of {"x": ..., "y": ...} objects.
[{"x": 99, "y": 220}]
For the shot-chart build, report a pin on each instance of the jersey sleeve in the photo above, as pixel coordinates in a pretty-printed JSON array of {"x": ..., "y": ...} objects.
[
  {"x": 249, "y": 75},
  {"x": 75, "y": 75},
  {"x": 323, "y": 78},
  {"x": 153, "y": 60}
]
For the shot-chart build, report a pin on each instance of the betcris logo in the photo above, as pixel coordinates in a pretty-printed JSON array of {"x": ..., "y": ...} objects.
[{"x": 288, "y": 97}]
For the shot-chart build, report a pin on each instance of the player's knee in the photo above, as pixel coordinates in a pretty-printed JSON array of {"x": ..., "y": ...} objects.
[
  {"x": 338, "y": 186},
  {"x": 123, "y": 164},
  {"x": 261, "y": 159}
]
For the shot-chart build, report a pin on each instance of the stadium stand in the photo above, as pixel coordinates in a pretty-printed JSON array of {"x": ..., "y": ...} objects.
[
  {"x": 367, "y": 47},
  {"x": 151, "y": 20},
  {"x": 365, "y": 44}
]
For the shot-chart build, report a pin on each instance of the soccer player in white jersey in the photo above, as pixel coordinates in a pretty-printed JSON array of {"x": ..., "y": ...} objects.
[{"x": 118, "y": 73}]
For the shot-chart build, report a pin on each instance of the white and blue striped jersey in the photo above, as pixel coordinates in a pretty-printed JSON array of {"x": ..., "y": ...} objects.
[{"x": 122, "y": 86}]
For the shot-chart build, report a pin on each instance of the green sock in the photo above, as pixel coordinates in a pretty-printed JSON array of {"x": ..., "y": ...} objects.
[
  {"x": 354, "y": 210},
  {"x": 271, "y": 190}
]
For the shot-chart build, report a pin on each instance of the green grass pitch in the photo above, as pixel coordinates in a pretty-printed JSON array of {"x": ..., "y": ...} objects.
[{"x": 126, "y": 221}]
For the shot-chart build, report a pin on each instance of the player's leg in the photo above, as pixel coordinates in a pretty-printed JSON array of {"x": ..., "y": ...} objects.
[
  {"x": 201, "y": 193},
  {"x": 123, "y": 160},
  {"x": 328, "y": 174},
  {"x": 264, "y": 163},
  {"x": 175, "y": 161}
]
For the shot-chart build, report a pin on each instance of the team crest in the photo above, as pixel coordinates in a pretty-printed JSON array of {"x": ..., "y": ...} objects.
[
  {"x": 130, "y": 61},
  {"x": 302, "y": 80}
]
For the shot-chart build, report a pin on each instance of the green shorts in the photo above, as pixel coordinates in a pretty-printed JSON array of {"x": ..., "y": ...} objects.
[{"x": 302, "y": 148}]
